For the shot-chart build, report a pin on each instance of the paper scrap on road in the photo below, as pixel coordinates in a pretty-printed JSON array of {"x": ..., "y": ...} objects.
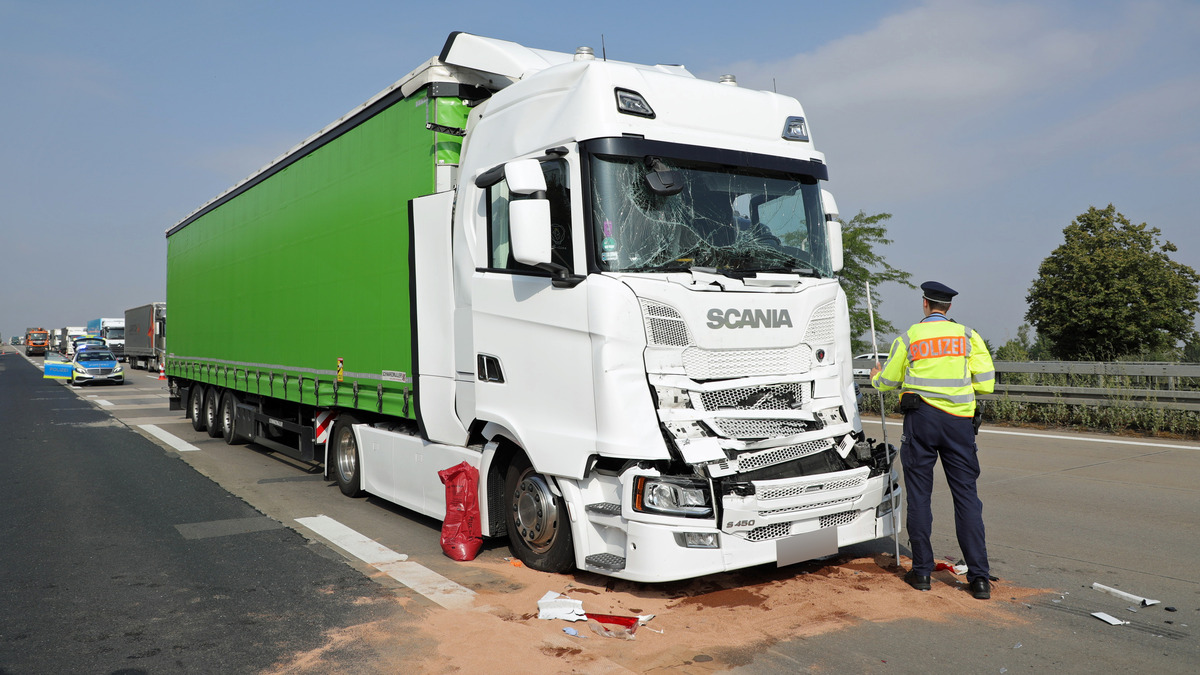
[
  {"x": 1111, "y": 620},
  {"x": 558, "y": 606},
  {"x": 1129, "y": 597}
]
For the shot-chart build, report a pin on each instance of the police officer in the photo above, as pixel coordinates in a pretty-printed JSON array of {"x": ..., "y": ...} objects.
[{"x": 939, "y": 366}]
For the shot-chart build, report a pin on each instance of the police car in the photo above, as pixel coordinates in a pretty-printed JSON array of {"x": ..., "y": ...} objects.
[{"x": 96, "y": 364}]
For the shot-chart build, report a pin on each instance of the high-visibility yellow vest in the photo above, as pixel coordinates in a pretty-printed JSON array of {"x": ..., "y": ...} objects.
[{"x": 945, "y": 363}]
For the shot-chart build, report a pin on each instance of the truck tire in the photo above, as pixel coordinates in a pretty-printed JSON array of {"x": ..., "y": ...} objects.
[
  {"x": 229, "y": 426},
  {"x": 196, "y": 407},
  {"x": 347, "y": 464},
  {"x": 212, "y": 411},
  {"x": 539, "y": 531}
]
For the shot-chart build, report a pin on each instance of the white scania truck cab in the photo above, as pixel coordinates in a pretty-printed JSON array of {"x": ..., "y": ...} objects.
[{"x": 641, "y": 326}]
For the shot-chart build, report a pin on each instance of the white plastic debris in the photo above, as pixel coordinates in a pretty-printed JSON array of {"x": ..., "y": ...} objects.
[
  {"x": 1128, "y": 597},
  {"x": 1111, "y": 620},
  {"x": 960, "y": 569},
  {"x": 573, "y": 633},
  {"x": 558, "y": 606}
]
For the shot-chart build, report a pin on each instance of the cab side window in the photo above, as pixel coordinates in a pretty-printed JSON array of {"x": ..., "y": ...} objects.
[{"x": 558, "y": 194}]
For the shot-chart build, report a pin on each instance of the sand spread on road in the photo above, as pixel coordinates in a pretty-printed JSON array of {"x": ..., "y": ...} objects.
[{"x": 707, "y": 625}]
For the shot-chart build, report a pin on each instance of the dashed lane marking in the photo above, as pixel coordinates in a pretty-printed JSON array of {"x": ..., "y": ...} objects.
[
  {"x": 419, "y": 578},
  {"x": 168, "y": 438}
]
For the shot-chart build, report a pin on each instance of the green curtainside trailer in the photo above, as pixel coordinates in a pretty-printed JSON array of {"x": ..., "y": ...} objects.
[{"x": 296, "y": 284}]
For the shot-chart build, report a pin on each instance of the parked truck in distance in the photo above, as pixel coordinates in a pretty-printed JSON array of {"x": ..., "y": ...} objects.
[
  {"x": 37, "y": 341},
  {"x": 113, "y": 332},
  {"x": 146, "y": 335},
  {"x": 609, "y": 287},
  {"x": 66, "y": 338}
]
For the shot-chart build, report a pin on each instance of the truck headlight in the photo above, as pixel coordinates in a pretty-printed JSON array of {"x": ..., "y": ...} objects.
[{"x": 672, "y": 496}]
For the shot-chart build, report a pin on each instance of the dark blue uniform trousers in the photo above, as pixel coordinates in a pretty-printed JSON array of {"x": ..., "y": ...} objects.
[{"x": 930, "y": 433}]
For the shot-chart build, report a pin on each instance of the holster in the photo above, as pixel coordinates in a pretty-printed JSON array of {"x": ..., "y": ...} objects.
[{"x": 909, "y": 402}]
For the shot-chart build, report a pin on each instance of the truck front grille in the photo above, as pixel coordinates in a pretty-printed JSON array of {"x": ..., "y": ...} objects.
[
  {"x": 781, "y": 530},
  {"x": 664, "y": 326},
  {"x": 757, "y": 429},
  {"x": 773, "y": 397},
  {"x": 706, "y": 364},
  {"x": 757, "y": 460}
]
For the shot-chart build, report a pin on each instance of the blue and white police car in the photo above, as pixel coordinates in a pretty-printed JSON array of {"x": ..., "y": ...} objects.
[{"x": 96, "y": 364}]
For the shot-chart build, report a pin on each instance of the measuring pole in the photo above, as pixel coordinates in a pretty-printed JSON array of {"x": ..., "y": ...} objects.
[{"x": 883, "y": 423}]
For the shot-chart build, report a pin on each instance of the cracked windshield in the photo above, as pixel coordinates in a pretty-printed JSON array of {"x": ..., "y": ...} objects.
[{"x": 662, "y": 215}]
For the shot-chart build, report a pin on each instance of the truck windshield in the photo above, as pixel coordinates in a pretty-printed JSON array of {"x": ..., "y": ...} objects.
[
  {"x": 734, "y": 219},
  {"x": 115, "y": 333}
]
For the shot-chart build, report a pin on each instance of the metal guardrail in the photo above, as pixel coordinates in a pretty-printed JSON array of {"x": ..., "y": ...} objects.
[{"x": 1174, "y": 386}]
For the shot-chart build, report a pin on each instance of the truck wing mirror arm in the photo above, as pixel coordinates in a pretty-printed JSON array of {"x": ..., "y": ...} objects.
[{"x": 562, "y": 277}]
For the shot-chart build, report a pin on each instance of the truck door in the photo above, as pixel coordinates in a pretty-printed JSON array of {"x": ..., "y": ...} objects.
[{"x": 533, "y": 355}]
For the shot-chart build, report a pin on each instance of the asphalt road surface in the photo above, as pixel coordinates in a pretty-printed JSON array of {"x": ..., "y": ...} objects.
[{"x": 132, "y": 543}]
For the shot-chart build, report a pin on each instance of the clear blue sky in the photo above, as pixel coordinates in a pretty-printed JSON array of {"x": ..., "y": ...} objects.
[{"x": 983, "y": 127}]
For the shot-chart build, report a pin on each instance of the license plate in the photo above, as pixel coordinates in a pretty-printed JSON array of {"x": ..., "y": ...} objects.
[{"x": 807, "y": 546}]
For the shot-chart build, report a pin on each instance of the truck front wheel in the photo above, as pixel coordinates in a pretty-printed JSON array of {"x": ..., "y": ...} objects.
[
  {"x": 346, "y": 464},
  {"x": 539, "y": 531}
]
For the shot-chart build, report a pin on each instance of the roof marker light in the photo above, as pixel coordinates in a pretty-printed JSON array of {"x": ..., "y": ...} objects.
[
  {"x": 633, "y": 103},
  {"x": 795, "y": 129}
]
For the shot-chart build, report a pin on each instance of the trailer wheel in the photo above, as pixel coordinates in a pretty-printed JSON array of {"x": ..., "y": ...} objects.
[
  {"x": 196, "y": 407},
  {"x": 212, "y": 413},
  {"x": 229, "y": 425},
  {"x": 539, "y": 533},
  {"x": 347, "y": 467}
]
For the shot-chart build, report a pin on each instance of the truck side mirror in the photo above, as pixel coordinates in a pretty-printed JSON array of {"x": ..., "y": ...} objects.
[
  {"x": 833, "y": 234},
  {"x": 525, "y": 177},
  {"x": 529, "y": 228},
  {"x": 833, "y": 231},
  {"x": 528, "y": 219}
]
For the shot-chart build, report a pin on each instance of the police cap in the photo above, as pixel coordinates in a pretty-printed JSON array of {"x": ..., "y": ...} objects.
[{"x": 938, "y": 292}]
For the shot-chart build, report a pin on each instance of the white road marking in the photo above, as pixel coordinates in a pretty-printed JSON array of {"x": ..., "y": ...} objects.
[
  {"x": 102, "y": 402},
  {"x": 417, "y": 577},
  {"x": 168, "y": 438},
  {"x": 1085, "y": 439}
]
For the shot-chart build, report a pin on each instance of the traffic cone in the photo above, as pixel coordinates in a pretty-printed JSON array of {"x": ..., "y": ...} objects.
[{"x": 161, "y": 372}]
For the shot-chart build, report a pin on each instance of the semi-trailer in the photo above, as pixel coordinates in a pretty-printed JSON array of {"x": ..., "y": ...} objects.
[
  {"x": 146, "y": 335},
  {"x": 66, "y": 338},
  {"x": 113, "y": 332},
  {"x": 609, "y": 287}
]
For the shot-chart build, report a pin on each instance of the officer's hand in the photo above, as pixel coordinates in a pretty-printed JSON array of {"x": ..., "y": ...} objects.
[{"x": 875, "y": 371}]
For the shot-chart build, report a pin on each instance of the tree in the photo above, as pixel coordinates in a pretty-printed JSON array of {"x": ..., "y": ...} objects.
[
  {"x": 860, "y": 263},
  {"x": 1111, "y": 290},
  {"x": 1021, "y": 348}
]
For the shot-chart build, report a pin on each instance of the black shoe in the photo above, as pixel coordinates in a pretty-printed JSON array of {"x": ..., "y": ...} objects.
[
  {"x": 981, "y": 588},
  {"x": 917, "y": 581}
]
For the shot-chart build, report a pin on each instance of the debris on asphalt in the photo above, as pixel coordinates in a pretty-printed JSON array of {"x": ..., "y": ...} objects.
[
  {"x": 1109, "y": 619},
  {"x": 573, "y": 633},
  {"x": 1170, "y": 609},
  {"x": 615, "y": 631},
  {"x": 555, "y": 605},
  {"x": 1130, "y": 597}
]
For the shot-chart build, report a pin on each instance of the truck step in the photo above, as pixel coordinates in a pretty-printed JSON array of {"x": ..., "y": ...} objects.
[
  {"x": 605, "y": 514},
  {"x": 605, "y": 508},
  {"x": 605, "y": 561}
]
